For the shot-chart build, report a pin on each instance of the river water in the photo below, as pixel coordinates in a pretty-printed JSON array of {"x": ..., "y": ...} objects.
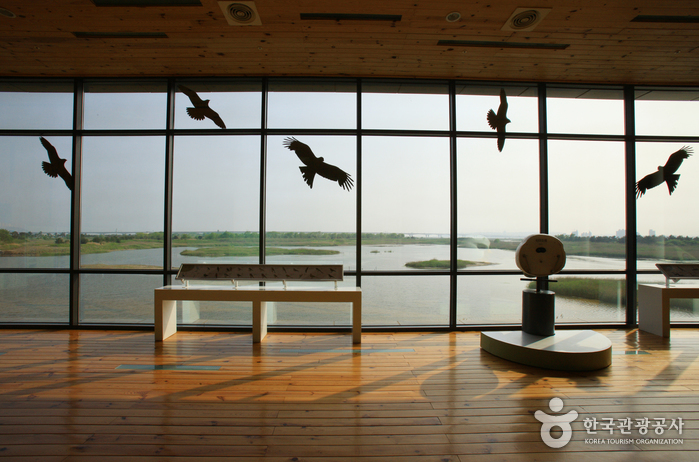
[{"x": 387, "y": 300}]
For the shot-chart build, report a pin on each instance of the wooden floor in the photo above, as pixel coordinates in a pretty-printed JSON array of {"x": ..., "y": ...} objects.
[{"x": 108, "y": 395}]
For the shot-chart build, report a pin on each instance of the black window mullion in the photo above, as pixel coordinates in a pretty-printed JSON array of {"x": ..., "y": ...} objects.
[
  {"x": 453, "y": 239},
  {"x": 75, "y": 208},
  {"x": 630, "y": 164},
  {"x": 169, "y": 178},
  {"x": 358, "y": 190},
  {"x": 263, "y": 171}
]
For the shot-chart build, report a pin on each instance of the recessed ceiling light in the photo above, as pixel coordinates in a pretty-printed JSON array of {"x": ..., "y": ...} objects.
[
  {"x": 525, "y": 19},
  {"x": 7, "y": 13},
  {"x": 240, "y": 13},
  {"x": 453, "y": 16}
]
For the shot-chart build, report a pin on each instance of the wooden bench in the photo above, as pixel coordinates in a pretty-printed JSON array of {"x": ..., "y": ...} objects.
[
  {"x": 165, "y": 298},
  {"x": 654, "y": 299}
]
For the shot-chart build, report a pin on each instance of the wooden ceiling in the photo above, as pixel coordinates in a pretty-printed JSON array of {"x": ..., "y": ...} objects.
[{"x": 595, "y": 41}]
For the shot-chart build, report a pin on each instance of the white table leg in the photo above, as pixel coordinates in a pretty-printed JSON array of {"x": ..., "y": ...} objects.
[
  {"x": 259, "y": 321},
  {"x": 165, "y": 319},
  {"x": 357, "y": 321},
  {"x": 653, "y": 312}
]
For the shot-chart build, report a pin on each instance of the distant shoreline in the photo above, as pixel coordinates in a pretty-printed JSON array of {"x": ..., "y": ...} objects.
[{"x": 672, "y": 248}]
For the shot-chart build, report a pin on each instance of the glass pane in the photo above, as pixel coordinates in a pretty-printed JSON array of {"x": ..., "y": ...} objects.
[
  {"x": 35, "y": 208},
  {"x": 29, "y": 298},
  {"x": 408, "y": 106},
  {"x": 238, "y": 104},
  {"x": 666, "y": 223},
  {"x": 585, "y": 110},
  {"x": 216, "y": 199},
  {"x": 405, "y": 301},
  {"x": 498, "y": 299},
  {"x": 405, "y": 202},
  {"x": 216, "y": 313},
  {"x": 594, "y": 299},
  {"x": 129, "y": 105},
  {"x": 117, "y": 298},
  {"x": 586, "y": 197},
  {"x": 667, "y": 112},
  {"x": 474, "y": 102},
  {"x": 305, "y": 223},
  {"x": 489, "y": 299},
  {"x": 31, "y": 105},
  {"x": 122, "y": 202},
  {"x": 312, "y": 314},
  {"x": 498, "y": 201},
  {"x": 312, "y": 105}
]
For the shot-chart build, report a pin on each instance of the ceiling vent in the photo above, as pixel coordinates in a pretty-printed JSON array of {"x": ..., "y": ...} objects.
[
  {"x": 525, "y": 19},
  {"x": 240, "y": 13}
]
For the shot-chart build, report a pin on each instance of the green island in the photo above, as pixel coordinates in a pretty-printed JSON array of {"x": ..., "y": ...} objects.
[{"x": 443, "y": 264}]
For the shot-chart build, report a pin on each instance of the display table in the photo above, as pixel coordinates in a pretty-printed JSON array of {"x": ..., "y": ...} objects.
[
  {"x": 654, "y": 306},
  {"x": 166, "y": 302}
]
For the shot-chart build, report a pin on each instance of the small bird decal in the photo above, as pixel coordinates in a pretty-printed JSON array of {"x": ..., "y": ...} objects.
[
  {"x": 201, "y": 108},
  {"x": 499, "y": 121},
  {"x": 665, "y": 173},
  {"x": 317, "y": 165},
  {"x": 57, "y": 166}
]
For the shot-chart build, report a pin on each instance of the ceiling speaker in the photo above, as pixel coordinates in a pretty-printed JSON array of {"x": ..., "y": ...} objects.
[
  {"x": 240, "y": 13},
  {"x": 525, "y": 19}
]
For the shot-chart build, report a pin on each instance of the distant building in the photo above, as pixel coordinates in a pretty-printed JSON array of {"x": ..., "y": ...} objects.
[
  {"x": 651, "y": 232},
  {"x": 620, "y": 233}
]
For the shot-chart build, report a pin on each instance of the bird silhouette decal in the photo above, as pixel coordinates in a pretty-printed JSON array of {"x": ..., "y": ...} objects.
[
  {"x": 317, "y": 165},
  {"x": 201, "y": 109},
  {"x": 56, "y": 166},
  {"x": 499, "y": 121},
  {"x": 665, "y": 173}
]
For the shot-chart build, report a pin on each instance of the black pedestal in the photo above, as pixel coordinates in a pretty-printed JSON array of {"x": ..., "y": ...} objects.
[{"x": 538, "y": 316}]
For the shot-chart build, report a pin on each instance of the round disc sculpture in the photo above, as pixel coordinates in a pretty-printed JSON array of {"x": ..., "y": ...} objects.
[
  {"x": 537, "y": 344},
  {"x": 539, "y": 256}
]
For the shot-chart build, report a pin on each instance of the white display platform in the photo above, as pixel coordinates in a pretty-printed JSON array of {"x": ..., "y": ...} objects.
[{"x": 566, "y": 350}]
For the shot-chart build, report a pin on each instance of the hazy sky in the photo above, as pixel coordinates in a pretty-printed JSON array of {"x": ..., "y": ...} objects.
[{"x": 405, "y": 179}]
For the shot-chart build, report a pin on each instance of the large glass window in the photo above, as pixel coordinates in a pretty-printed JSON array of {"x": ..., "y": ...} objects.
[
  {"x": 232, "y": 104},
  {"x": 312, "y": 104},
  {"x": 46, "y": 105},
  {"x": 34, "y": 298},
  {"x": 587, "y": 202},
  {"x": 405, "y": 203},
  {"x": 34, "y": 206},
  {"x": 119, "y": 105},
  {"x": 311, "y": 223},
  {"x": 122, "y": 202},
  {"x": 667, "y": 111},
  {"x": 405, "y": 301},
  {"x": 589, "y": 111},
  {"x": 474, "y": 102},
  {"x": 117, "y": 298},
  {"x": 404, "y": 105},
  {"x": 299, "y": 162},
  {"x": 216, "y": 199}
]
